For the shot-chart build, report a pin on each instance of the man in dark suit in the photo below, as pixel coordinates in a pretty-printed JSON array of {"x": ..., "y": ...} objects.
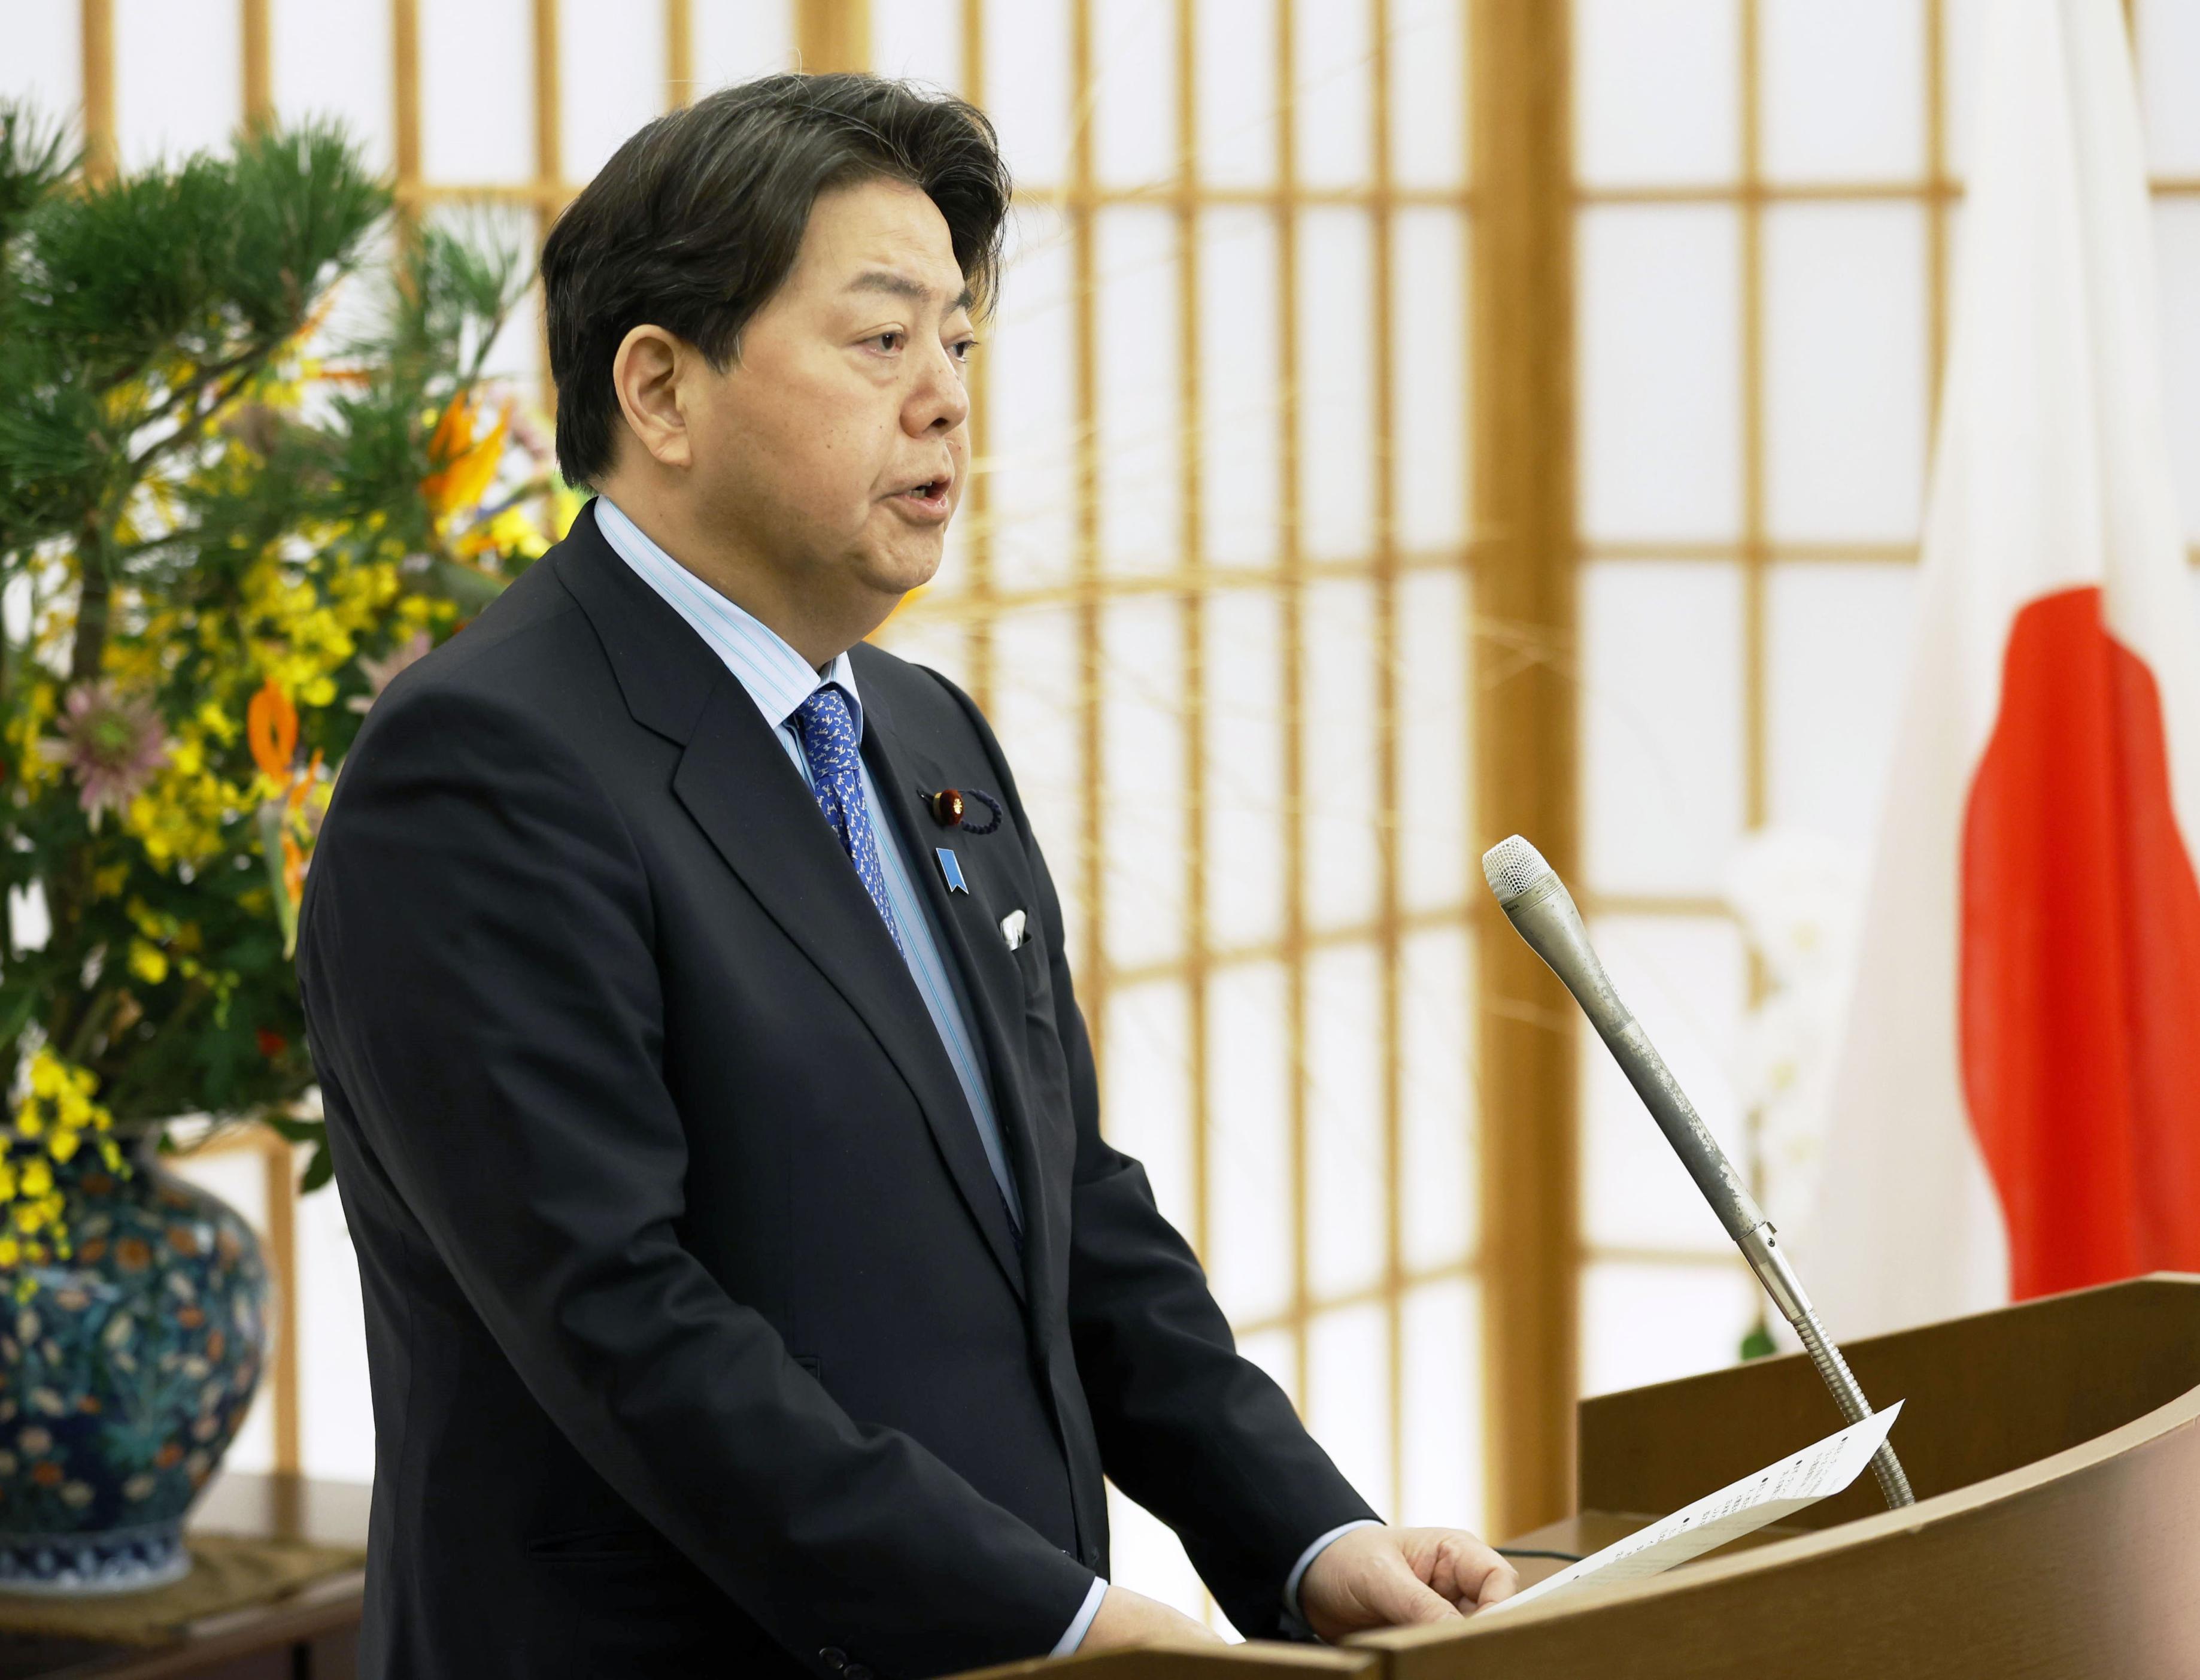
[{"x": 749, "y": 1287}]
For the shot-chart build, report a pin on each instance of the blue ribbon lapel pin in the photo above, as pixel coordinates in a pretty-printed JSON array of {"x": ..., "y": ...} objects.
[{"x": 951, "y": 869}]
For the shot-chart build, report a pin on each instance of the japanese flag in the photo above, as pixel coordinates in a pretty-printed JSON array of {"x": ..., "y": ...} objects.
[{"x": 2016, "y": 1105}]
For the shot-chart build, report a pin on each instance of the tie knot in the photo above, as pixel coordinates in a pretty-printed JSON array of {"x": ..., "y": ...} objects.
[{"x": 824, "y": 719}]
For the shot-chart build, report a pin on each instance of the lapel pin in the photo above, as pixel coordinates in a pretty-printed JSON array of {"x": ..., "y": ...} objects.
[
  {"x": 951, "y": 870},
  {"x": 950, "y": 808},
  {"x": 1012, "y": 929}
]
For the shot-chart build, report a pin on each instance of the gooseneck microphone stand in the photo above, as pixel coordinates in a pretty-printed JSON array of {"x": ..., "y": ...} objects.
[{"x": 1537, "y": 903}]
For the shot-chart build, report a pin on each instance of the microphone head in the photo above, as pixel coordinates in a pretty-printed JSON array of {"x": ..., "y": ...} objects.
[{"x": 1513, "y": 869}]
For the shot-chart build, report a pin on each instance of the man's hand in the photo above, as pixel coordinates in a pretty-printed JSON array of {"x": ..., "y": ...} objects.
[
  {"x": 1387, "y": 1577},
  {"x": 1126, "y": 1618}
]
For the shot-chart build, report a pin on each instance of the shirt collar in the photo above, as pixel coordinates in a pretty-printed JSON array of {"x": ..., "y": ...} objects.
[{"x": 777, "y": 678}]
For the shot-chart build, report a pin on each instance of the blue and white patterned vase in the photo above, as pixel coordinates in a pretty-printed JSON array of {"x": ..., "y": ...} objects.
[{"x": 125, "y": 1372}]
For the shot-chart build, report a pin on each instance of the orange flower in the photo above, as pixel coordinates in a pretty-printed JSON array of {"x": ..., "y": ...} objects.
[
  {"x": 133, "y": 1254},
  {"x": 46, "y": 1473},
  {"x": 294, "y": 869},
  {"x": 271, "y": 723},
  {"x": 462, "y": 467},
  {"x": 303, "y": 783}
]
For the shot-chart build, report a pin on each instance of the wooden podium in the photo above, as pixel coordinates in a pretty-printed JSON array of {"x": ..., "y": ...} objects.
[{"x": 2055, "y": 1449}]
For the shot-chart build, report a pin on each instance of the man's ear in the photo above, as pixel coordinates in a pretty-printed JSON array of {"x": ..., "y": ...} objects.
[{"x": 646, "y": 374}]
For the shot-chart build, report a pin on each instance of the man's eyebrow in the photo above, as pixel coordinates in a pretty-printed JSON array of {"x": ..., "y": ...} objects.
[{"x": 900, "y": 285}]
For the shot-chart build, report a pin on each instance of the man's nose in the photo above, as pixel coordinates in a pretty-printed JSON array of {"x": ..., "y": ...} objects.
[{"x": 941, "y": 401}]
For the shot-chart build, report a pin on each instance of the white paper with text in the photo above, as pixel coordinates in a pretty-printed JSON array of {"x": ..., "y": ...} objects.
[{"x": 1741, "y": 1507}]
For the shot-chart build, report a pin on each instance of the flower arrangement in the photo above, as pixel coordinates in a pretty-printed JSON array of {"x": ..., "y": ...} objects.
[{"x": 225, "y": 527}]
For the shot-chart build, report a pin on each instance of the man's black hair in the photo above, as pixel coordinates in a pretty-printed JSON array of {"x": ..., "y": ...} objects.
[{"x": 696, "y": 221}]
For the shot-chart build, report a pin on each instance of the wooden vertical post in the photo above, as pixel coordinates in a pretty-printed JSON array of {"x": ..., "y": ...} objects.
[
  {"x": 405, "y": 100},
  {"x": 259, "y": 66},
  {"x": 1524, "y": 493},
  {"x": 95, "y": 45},
  {"x": 679, "y": 54},
  {"x": 977, "y": 501},
  {"x": 832, "y": 34},
  {"x": 281, "y": 1169}
]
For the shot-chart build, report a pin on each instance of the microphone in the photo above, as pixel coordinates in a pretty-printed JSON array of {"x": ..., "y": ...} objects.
[{"x": 1542, "y": 911}]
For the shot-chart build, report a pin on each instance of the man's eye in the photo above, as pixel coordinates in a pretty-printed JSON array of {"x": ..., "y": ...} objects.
[
  {"x": 881, "y": 338},
  {"x": 963, "y": 350}
]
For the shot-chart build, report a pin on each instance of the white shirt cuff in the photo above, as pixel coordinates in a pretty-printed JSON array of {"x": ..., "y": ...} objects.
[
  {"x": 1307, "y": 1558},
  {"x": 1074, "y": 1635}
]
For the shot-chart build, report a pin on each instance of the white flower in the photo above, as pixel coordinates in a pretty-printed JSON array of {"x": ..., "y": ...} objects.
[{"x": 1797, "y": 896}]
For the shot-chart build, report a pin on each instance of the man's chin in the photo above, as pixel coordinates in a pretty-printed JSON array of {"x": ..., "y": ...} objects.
[{"x": 897, "y": 574}]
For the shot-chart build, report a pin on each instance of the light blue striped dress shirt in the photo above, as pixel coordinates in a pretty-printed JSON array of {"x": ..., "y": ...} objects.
[{"x": 779, "y": 679}]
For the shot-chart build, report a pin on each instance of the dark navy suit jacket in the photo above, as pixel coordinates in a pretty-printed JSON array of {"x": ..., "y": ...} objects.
[{"x": 699, "y": 1340}]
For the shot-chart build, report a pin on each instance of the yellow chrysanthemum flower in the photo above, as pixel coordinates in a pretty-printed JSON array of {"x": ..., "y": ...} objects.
[{"x": 147, "y": 962}]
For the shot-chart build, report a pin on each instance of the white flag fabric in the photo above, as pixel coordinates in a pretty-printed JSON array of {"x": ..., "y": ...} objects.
[{"x": 2015, "y": 1108}]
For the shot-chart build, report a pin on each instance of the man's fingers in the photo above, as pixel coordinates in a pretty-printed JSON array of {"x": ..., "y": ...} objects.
[
  {"x": 1399, "y": 1598},
  {"x": 1468, "y": 1573}
]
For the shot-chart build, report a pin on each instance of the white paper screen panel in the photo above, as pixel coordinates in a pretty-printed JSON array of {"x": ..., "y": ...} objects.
[
  {"x": 1843, "y": 89},
  {"x": 2169, "y": 32},
  {"x": 1846, "y": 381},
  {"x": 1661, "y": 723},
  {"x": 2177, "y": 251},
  {"x": 919, "y": 39},
  {"x": 1141, "y": 423},
  {"x": 178, "y": 78},
  {"x": 1134, "y": 94},
  {"x": 610, "y": 78},
  {"x": 736, "y": 39},
  {"x": 477, "y": 92},
  {"x": 1236, "y": 109},
  {"x": 1657, "y": 91},
  {"x": 1428, "y": 116},
  {"x": 45, "y": 59},
  {"x": 1241, "y": 392},
  {"x": 1027, "y": 92},
  {"x": 1649, "y": 1321},
  {"x": 335, "y": 62},
  {"x": 1659, "y": 386}
]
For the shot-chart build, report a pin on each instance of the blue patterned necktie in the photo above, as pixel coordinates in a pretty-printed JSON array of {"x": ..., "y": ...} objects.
[{"x": 836, "y": 774}]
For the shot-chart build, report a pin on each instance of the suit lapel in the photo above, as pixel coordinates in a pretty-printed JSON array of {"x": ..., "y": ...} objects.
[
  {"x": 988, "y": 968},
  {"x": 737, "y": 782}
]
